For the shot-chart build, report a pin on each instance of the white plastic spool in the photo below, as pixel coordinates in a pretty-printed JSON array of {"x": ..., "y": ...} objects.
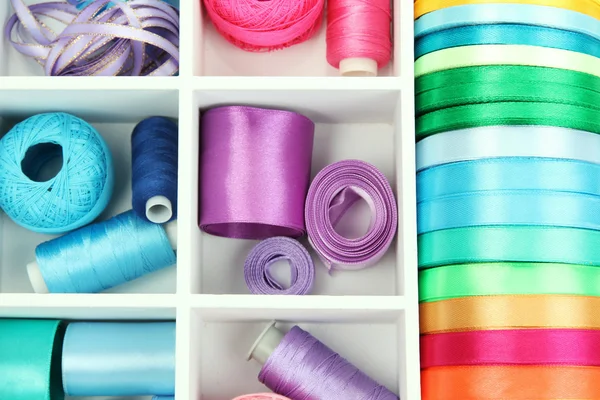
[
  {"x": 358, "y": 67},
  {"x": 37, "y": 280},
  {"x": 265, "y": 344},
  {"x": 159, "y": 209}
]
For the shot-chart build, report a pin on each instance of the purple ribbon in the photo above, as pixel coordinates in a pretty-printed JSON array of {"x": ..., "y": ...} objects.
[
  {"x": 333, "y": 191},
  {"x": 257, "y": 269},
  {"x": 139, "y": 37},
  {"x": 254, "y": 172}
]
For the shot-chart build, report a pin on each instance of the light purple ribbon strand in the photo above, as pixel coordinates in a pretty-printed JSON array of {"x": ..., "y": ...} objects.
[
  {"x": 333, "y": 191},
  {"x": 254, "y": 172},
  {"x": 257, "y": 268},
  {"x": 140, "y": 37},
  {"x": 303, "y": 368}
]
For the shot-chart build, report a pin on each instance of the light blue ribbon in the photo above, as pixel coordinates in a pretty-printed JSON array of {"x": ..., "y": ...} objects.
[
  {"x": 507, "y": 34},
  {"x": 81, "y": 4},
  {"x": 525, "y": 14},
  {"x": 509, "y": 208},
  {"x": 509, "y": 173},
  {"x": 119, "y": 359}
]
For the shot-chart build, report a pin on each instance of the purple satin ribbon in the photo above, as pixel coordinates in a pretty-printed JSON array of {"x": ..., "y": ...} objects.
[
  {"x": 140, "y": 37},
  {"x": 257, "y": 269},
  {"x": 333, "y": 191},
  {"x": 254, "y": 172}
]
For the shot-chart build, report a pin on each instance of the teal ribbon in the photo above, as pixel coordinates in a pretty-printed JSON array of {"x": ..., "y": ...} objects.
[{"x": 30, "y": 352}]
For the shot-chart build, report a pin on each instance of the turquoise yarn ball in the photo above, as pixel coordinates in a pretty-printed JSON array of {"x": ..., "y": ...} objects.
[{"x": 56, "y": 173}]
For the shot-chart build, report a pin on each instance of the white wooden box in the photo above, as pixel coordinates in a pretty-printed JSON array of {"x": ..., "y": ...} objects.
[{"x": 369, "y": 316}]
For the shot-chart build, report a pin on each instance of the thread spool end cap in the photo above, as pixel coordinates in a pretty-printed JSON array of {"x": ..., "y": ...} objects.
[
  {"x": 358, "y": 66},
  {"x": 265, "y": 344},
  {"x": 171, "y": 230},
  {"x": 36, "y": 278},
  {"x": 159, "y": 209}
]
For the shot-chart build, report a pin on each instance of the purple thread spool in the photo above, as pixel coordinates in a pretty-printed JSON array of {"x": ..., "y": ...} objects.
[{"x": 299, "y": 366}]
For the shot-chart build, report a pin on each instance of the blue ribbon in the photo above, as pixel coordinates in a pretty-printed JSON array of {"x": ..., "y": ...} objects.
[
  {"x": 507, "y": 34},
  {"x": 508, "y": 173},
  {"x": 524, "y": 14},
  {"x": 509, "y": 208}
]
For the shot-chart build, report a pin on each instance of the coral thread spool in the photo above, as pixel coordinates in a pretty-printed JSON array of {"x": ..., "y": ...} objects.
[{"x": 359, "y": 38}]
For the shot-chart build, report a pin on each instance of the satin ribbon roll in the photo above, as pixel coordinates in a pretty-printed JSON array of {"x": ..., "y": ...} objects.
[
  {"x": 507, "y": 141},
  {"x": 507, "y": 34},
  {"x": 509, "y": 312},
  {"x": 578, "y": 347},
  {"x": 508, "y": 113},
  {"x": 254, "y": 172},
  {"x": 119, "y": 359},
  {"x": 463, "y": 280},
  {"x": 257, "y": 267},
  {"x": 509, "y": 208},
  {"x": 505, "y": 13},
  {"x": 510, "y": 54},
  {"x": 509, "y": 83},
  {"x": 30, "y": 359},
  {"x": 509, "y": 243},
  {"x": 508, "y": 174},
  {"x": 520, "y": 382},
  {"x": 333, "y": 191},
  {"x": 589, "y": 7}
]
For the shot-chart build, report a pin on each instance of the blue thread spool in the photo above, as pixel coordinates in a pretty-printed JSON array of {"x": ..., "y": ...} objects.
[
  {"x": 119, "y": 359},
  {"x": 103, "y": 255},
  {"x": 163, "y": 398},
  {"x": 56, "y": 173},
  {"x": 154, "y": 145}
]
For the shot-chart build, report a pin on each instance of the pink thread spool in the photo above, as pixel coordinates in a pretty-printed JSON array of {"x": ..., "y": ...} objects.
[
  {"x": 261, "y": 396},
  {"x": 359, "y": 39}
]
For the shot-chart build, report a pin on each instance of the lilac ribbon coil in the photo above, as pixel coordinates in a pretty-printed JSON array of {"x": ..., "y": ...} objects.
[
  {"x": 254, "y": 172},
  {"x": 268, "y": 252},
  {"x": 333, "y": 191},
  {"x": 139, "y": 37}
]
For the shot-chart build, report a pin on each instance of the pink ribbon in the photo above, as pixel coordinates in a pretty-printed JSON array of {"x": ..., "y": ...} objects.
[{"x": 512, "y": 347}]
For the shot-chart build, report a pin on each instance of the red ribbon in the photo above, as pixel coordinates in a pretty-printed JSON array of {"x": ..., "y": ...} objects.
[{"x": 579, "y": 347}]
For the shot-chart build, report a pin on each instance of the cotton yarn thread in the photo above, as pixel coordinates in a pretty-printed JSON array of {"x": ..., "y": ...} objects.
[
  {"x": 154, "y": 144},
  {"x": 134, "y": 38},
  {"x": 257, "y": 268},
  {"x": 103, "y": 255},
  {"x": 303, "y": 368},
  {"x": 76, "y": 195},
  {"x": 255, "y": 25},
  {"x": 358, "y": 36},
  {"x": 333, "y": 191}
]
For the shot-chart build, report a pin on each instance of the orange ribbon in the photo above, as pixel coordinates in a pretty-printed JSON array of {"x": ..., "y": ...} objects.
[
  {"x": 510, "y": 383},
  {"x": 510, "y": 312},
  {"x": 589, "y": 7}
]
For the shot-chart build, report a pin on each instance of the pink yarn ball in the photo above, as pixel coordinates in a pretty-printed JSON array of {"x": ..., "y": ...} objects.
[
  {"x": 263, "y": 25},
  {"x": 261, "y": 396}
]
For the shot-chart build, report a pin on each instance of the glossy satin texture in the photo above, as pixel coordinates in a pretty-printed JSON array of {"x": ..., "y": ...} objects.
[
  {"x": 481, "y": 279},
  {"x": 303, "y": 368},
  {"x": 30, "y": 359},
  {"x": 511, "y": 382},
  {"x": 509, "y": 311},
  {"x": 254, "y": 172},
  {"x": 512, "y": 347},
  {"x": 119, "y": 359}
]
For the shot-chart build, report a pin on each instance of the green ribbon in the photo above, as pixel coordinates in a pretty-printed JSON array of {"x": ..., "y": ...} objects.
[
  {"x": 491, "y": 84},
  {"x": 30, "y": 352},
  {"x": 509, "y": 243},
  {"x": 483, "y": 279}
]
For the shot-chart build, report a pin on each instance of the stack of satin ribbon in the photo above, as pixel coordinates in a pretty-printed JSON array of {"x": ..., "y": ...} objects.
[{"x": 508, "y": 187}]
